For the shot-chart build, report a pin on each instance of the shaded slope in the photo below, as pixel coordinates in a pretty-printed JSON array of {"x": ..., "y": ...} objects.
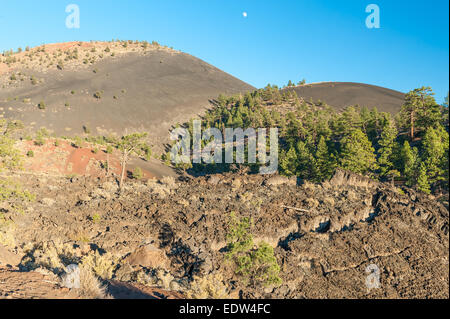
[{"x": 342, "y": 94}]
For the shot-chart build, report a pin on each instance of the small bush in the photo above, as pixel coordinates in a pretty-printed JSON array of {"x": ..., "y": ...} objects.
[
  {"x": 42, "y": 105},
  {"x": 30, "y": 153},
  {"x": 255, "y": 265},
  {"x": 90, "y": 286},
  {"x": 77, "y": 142},
  {"x": 98, "y": 95},
  {"x": 96, "y": 218},
  {"x": 41, "y": 135},
  {"x": 101, "y": 265},
  {"x": 208, "y": 287},
  {"x": 138, "y": 173}
]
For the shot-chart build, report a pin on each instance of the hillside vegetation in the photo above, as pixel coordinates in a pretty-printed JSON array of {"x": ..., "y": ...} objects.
[{"x": 411, "y": 146}]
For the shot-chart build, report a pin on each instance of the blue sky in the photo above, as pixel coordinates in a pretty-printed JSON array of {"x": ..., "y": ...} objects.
[{"x": 319, "y": 40}]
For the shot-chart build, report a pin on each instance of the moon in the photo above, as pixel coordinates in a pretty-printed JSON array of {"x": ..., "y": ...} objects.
[{"x": 244, "y": 14}]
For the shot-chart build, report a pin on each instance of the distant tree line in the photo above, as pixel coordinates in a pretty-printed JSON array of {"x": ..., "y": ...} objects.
[{"x": 315, "y": 139}]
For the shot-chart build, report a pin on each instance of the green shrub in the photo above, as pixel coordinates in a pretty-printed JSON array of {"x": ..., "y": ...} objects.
[
  {"x": 257, "y": 265},
  {"x": 96, "y": 218},
  {"x": 137, "y": 173},
  {"x": 39, "y": 141},
  {"x": 98, "y": 95},
  {"x": 42, "y": 105},
  {"x": 147, "y": 152},
  {"x": 41, "y": 135},
  {"x": 30, "y": 153},
  {"x": 77, "y": 142}
]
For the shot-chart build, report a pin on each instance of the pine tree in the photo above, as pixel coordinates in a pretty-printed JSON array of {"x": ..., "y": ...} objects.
[
  {"x": 386, "y": 150},
  {"x": 349, "y": 120},
  {"x": 445, "y": 113},
  {"x": 306, "y": 161},
  {"x": 373, "y": 127},
  {"x": 222, "y": 100},
  {"x": 237, "y": 120},
  {"x": 419, "y": 111},
  {"x": 325, "y": 162},
  {"x": 422, "y": 179},
  {"x": 129, "y": 145},
  {"x": 408, "y": 160},
  {"x": 229, "y": 122},
  {"x": 357, "y": 153},
  {"x": 288, "y": 162},
  {"x": 433, "y": 151}
]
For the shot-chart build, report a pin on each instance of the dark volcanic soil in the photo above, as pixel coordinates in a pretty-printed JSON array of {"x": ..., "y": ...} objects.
[
  {"x": 342, "y": 94},
  {"x": 141, "y": 89}
]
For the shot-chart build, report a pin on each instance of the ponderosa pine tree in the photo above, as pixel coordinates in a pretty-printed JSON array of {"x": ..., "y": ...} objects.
[
  {"x": 357, "y": 153},
  {"x": 419, "y": 111},
  {"x": 386, "y": 150},
  {"x": 306, "y": 161},
  {"x": 129, "y": 145},
  {"x": 434, "y": 147},
  {"x": 445, "y": 113},
  {"x": 288, "y": 162},
  {"x": 325, "y": 161},
  {"x": 422, "y": 179},
  {"x": 408, "y": 162}
]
